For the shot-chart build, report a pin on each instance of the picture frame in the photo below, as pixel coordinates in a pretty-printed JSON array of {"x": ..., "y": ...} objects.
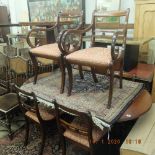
[{"x": 47, "y": 10}]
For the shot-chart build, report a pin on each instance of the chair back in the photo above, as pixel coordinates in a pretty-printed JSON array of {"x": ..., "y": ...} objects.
[
  {"x": 64, "y": 124},
  {"x": 27, "y": 102},
  {"x": 18, "y": 65},
  {"x": 24, "y": 53},
  {"x": 10, "y": 51},
  {"x": 107, "y": 23},
  {"x": 73, "y": 20},
  {"x": 4, "y": 63},
  {"x": 3, "y": 60}
]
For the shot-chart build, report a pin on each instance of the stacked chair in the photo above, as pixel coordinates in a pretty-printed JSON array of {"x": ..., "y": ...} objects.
[
  {"x": 18, "y": 66},
  {"x": 80, "y": 131},
  {"x": 52, "y": 51},
  {"x": 34, "y": 113},
  {"x": 110, "y": 26},
  {"x": 68, "y": 51}
]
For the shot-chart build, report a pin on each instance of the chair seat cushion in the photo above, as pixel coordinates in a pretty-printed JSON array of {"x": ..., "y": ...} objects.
[
  {"x": 97, "y": 133},
  {"x": 49, "y": 51},
  {"x": 45, "y": 115},
  {"x": 95, "y": 56},
  {"x": 8, "y": 102},
  {"x": 3, "y": 90},
  {"x": 45, "y": 61}
]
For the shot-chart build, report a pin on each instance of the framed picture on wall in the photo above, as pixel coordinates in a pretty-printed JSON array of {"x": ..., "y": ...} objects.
[
  {"x": 47, "y": 10},
  {"x": 103, "y": 5}
]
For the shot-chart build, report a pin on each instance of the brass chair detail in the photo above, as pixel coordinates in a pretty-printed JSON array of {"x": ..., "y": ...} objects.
[
  {"x": 107, "y": 59},
  {"x": 35, "y": 113},
  {"x": 52, "y": 50},
  {"x": 81, "y": 131}
]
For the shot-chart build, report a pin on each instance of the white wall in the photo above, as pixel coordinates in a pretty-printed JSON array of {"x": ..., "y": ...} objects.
[
  {"x": 18, "y": 13},
  {"x": 19, "y": 10},
  {"x": 124, "y": 4},
  {"x": 129, "y": 4}
]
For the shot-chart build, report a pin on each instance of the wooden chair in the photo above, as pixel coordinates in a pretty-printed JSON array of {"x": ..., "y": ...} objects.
[
  {"x": 52, "y": 51},
  {"x": 80, "y": 131},
  {"x": 108, "y": 59},
  {"x": 8, "y": 104},
  {"x": 33, "y": 112}
]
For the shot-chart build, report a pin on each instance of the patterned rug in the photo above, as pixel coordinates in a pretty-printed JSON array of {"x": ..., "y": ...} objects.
[
  {"x": 52, "y": 147},
  {"x": 87, "y": 96}
]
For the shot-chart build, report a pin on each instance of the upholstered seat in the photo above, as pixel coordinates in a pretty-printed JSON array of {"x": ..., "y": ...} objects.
[
  {"x": 8, "y": 102},
  {"x": 45, "y": 61},
  {"x": 49, "y": 51},
  {"x": 96, "y": 56},
  {"x": 46, "y": 116},
  {"x": 97, "y": 133}
]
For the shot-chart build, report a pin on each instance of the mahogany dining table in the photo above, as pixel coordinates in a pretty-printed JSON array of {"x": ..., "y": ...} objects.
[{"x": 140, "y": 105}]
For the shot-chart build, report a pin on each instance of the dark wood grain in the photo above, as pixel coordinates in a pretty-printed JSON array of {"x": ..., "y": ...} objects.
[{"x": 141, "y": 104}]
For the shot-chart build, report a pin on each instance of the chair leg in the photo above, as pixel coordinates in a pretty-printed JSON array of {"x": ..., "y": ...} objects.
[
  {"x": 63, "y": 146},
  {"x": 91, "y": 150},
  {"x": 43, "y": 138},
  {"x": 80, "y": 72},
  {"x": 35, "y": 64},
  {"x": 110, "y": 88},
  {"x": 8, "y": 125},
  {"x": 120, "y": 78},
  {"x": 70, "y": 77},
  {"x": 27, "y": 132},
  {"x": 63, "y": 75},
  {"x": 94, "y": 75}
]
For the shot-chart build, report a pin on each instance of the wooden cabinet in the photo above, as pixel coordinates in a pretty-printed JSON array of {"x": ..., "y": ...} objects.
[
  {"x": 144, "y": 26},
  {"x": 144, "y": 19}
]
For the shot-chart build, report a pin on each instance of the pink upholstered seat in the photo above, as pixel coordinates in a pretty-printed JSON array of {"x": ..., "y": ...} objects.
[
  {"x": 96, "y": 56},
  {"x": 49, "y": 51}
]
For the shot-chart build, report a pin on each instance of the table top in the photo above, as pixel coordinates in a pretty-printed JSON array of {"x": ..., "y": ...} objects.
[
  {"x": 141, "y": 104},
  {"x": 46, "y": 23},
  {"x": 142, "y": 71}
]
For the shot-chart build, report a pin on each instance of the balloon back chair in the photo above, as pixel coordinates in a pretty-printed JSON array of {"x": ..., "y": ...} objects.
[
  {"x": 52, "y": 51},
  {"x": 108, "y": 26},
  {"x": 80, "y": 131}
]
